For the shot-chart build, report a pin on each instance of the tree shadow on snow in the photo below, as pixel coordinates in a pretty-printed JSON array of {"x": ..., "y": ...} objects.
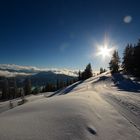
[
  {"x": 65, "y": 90},
  {"x": 101, "y": 79},
  {"x": 125, "y": 84}
]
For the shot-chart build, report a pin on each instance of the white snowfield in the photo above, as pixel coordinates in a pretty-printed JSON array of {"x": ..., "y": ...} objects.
[{"x": 96, "y": 109}]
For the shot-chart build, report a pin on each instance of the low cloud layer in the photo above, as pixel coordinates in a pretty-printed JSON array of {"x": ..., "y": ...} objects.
[
  {"x": 10, "y": 70},
  {"x": 12, "y": 74}
]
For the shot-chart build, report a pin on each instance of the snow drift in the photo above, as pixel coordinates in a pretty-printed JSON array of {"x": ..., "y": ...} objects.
[{"x": 78, "y": 112}]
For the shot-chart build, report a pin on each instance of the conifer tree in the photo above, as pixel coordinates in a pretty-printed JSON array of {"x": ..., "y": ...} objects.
[
  {"x": 131, "y": 63},
  {"x": 128, "y": 59},
  {"x": 101, "y": 70},
  {"x": 79, "y": 75},
  {"x": 57, "y": 84},
  {"x": 87, "y": 73},
  {"x": 5, "y": 89},
  {"x": 137, "y": 59},
  {"x": 27, "y": 87},
  {"x": 114, "y": 63},
  {"x": 15, "y": 88}
]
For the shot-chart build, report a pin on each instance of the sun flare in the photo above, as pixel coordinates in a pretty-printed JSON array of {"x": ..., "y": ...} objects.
[
  {"x": 104, "y": 51},
  {"x": 106, "y": 48}
]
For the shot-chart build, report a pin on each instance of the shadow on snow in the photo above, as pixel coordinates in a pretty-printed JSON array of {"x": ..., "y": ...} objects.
[
  {"x": 122, "y": 82},
  {"x": 125, "y": 83},
  {"x": 65, "y": 90}
]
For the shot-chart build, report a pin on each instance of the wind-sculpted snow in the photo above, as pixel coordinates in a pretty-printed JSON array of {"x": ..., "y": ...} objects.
[{"x": 79, "y": 112}]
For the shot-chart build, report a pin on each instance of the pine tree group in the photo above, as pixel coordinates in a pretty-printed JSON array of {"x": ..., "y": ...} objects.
[
  {"x": 128, "y": 59},
  {"x": 102, "y": 70},
  {"x": 87, "y": 73},
  {"x": 9, "y": 88},
  {"x": 131, "y": 59}
]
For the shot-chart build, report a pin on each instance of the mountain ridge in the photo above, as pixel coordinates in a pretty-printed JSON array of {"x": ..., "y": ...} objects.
[{"x": 13, "y": 70}]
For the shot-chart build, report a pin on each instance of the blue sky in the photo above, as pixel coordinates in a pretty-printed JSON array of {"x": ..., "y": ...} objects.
[{"x": 63, "y": 33}]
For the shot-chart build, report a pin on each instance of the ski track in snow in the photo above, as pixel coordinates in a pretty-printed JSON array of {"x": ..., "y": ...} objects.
[{"x": 91, "y": 110}]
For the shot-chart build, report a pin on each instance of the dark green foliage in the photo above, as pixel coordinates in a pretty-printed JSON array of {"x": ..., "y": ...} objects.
[
  {"x": 87, "y": 73},
  {"x": 57, "y": 84},
  {"x": 67, "y": 82},
  {"x": 114, "y": 63},
  {"x": 137, "y": 59},
  {"x": 9, "y": 88},
  {"x": 36, "y": 90},
  {"x": 50, "y": 87},
  {"x": 73, "y": 81},
  {"x": 42, "y": 78},
  {"x": 105, "y": 70},
  {"x": 5, "y": 89},
  {"x": 15, "y": 88},
  {"x": 131, "y": 59},
  {"x": 79, "y": 75},
  {"x": 128, "y": 59},
  {"x": 101, "y": 70},
  {"x": 27, "y": 87},
  {"x": 60, "y": 84},
  {"x": 43, "y": 89}
]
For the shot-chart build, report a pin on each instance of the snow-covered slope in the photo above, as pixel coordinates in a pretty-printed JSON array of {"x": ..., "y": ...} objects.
[{"x": 79, "y": 112}]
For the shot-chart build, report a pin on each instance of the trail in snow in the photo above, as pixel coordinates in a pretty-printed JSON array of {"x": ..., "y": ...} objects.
[
  {"x": 80, "y": 113},
  {"x": 126, "y": 102}
]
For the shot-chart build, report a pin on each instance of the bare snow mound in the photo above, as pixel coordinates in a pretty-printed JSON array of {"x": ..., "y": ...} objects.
[
  {"x": 78, "y": 112},
  {"x": 48, "y": 119}
]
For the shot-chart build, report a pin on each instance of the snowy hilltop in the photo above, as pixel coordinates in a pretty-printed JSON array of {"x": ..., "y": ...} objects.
[{"x": 104, "y": 107}]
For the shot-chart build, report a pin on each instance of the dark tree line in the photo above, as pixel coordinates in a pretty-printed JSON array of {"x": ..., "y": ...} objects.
[
  {"x": 10, "y": 90},
  {"x": 27, "y": 86},
  {"x": 131, "y": 59},
  {"x": 87, "y": 73},
  {"x": 102, "y": 70},
  {"x": 50, "y": 87}
]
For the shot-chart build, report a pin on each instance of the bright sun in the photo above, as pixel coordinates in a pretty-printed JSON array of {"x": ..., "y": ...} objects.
[{"x": 104, "y": 51}]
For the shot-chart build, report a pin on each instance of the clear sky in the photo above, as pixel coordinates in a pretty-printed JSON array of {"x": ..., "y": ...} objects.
[{"x": 64, "y": 33}]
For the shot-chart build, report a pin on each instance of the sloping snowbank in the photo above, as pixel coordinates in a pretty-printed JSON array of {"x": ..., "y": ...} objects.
[{"x": 79, "y": 114}]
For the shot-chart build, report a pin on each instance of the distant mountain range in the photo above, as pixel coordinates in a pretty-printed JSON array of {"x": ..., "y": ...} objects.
[
  {"x": 42, "y": 78},
  {"x": 38, "y": 76},
  {"x": 12, "y": 70}
]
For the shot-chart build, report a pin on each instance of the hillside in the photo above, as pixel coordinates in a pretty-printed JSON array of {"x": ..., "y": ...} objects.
[
  {"x": 99, "y": 108},
  {"x": 42, "y": 78}
]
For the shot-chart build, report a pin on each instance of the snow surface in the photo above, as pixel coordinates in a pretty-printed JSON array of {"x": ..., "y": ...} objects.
[{"x": 82, "y": 111}]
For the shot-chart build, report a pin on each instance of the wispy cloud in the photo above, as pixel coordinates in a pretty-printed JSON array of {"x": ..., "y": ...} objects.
[
  {"x": 10, "y": 70},
  {"x": 12, "y": 74}
]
